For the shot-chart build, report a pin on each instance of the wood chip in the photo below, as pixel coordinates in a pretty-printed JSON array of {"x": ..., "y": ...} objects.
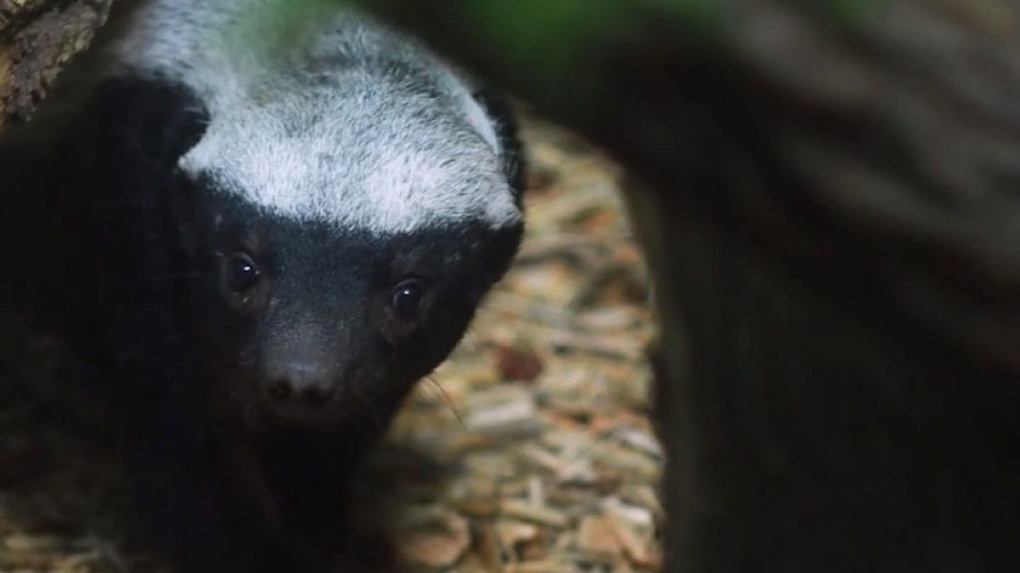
[
  {"x": 517, "y": 363},
  {"x": 543, "y": 458},
  {"x": 640, "y": 550},
  {"x": 597, "y": 538},
  {"x": 635, "y": 514},
  {"x": 631, "y": 463},
  {"x": 510, "y": 532},
  {"x": 549, "y": 566},
  {"x": 541, "y": 515},
  {"x": 643, "y": 495},
  {"x": 640, "y": 440},
  {"x": 440, "y": 544},
  {"x": 518, "y": 414}
]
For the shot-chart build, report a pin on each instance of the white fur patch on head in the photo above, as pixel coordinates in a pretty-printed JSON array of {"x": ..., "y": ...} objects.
[
  {"x": 358, "y": 126},
  {"x": 359, "y": 158}
]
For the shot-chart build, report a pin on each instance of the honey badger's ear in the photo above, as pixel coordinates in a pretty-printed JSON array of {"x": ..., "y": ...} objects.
[
  {"x": 151, "y": 120},
  {"x": 500, "y": 112},
  {"x": 137, "y": 128}
]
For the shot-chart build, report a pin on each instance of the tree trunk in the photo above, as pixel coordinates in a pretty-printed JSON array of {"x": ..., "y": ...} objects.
[
  {"x": 37, "y": 39},
  {"x": 827, "y": 192}
]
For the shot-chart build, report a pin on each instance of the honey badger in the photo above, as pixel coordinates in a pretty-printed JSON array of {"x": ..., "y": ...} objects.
[{"x": 286, "y": 215}]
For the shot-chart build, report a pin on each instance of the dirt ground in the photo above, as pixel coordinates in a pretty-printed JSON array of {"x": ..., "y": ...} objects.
[{"x": 540, "y": 457}]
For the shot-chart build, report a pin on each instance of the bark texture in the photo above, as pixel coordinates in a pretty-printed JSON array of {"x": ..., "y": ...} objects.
[{"x": 37, "y": 39}]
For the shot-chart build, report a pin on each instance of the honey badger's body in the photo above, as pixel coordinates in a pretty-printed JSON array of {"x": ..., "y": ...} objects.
[{"x": 291, "y": 216}]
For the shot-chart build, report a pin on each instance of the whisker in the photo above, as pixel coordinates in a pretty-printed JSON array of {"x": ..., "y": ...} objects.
[
  {"x": 371, "y": 406},
  {"x": 446, "y": 398}
]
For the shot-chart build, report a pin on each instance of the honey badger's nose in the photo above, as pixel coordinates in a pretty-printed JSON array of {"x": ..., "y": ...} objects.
[{"x": 301, "y": 384}]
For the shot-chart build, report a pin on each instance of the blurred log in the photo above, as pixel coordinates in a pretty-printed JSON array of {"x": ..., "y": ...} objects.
[{"x": 831, "y": 207}]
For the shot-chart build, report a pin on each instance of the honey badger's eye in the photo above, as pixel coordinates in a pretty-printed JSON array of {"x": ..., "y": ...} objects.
[
  {"x": 407, "y": 298},
  {"x": 241, "y": 274}
]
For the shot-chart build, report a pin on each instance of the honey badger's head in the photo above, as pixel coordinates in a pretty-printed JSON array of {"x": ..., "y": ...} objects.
[{"x": 345, "y": 216}]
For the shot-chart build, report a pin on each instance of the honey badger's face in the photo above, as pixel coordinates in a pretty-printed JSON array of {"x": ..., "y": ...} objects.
[
  {"x": 319, "y": 325},
  {"x": 340, "y": 266},
  {"x": 323, "y": 325}
]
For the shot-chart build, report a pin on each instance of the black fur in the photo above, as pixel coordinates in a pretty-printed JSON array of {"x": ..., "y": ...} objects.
[{"x": 229, "y": 483}]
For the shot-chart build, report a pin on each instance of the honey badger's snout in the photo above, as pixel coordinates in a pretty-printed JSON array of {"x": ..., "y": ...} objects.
[
  {"x": 305, "y": 362},
  {"x": 299, "y": 383}
]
